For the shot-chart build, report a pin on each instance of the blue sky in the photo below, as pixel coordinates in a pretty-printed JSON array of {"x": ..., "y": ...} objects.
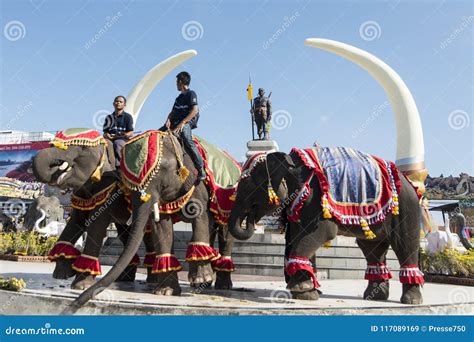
[{"x": 53, "y": 76}]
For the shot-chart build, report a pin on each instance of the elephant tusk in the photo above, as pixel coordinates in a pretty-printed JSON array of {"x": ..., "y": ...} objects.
[
  {"x": 137, "y": 97},
  {"x": 63, "y": 166},
  {"x": 410, "y": 144},
  {"x": 156, "y": 211},
  {"x": 38, "y": 221}
]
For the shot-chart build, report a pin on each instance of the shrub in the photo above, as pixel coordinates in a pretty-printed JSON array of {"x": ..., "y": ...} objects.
[
  {"x": 26, "y": 243},
  {"x": 448, "y": 262}
]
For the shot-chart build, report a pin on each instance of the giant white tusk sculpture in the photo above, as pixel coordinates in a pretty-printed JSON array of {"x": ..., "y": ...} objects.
[
  {"x": 410, "y": 146},
  {"x": 137, "y": 97}
]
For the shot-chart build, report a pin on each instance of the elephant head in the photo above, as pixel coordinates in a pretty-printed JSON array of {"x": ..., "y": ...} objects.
[
  {"x": 252, "y": 201},
  {"x": 71, "y": 168},
  {"x": 42, "y": 211}
]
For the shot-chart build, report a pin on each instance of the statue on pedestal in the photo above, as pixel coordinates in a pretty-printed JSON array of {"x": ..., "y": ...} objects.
[{"x": 262, "y": 113}]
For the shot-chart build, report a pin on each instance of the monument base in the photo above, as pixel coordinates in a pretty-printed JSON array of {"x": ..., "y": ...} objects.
[{"x": 258, "y": 146}]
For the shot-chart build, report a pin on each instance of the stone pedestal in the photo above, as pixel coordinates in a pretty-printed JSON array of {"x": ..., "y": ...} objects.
[{"x": 256, "y": 146}]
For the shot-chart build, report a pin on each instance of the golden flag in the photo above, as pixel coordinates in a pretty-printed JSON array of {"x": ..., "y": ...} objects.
[{"x": 249, "y": 91}]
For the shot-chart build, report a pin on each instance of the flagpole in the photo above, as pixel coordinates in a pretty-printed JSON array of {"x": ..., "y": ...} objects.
[{"x": 250, "y": 98}]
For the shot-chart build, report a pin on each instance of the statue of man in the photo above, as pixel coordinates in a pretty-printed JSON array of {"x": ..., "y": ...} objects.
[{"x": 262, "y": 113}]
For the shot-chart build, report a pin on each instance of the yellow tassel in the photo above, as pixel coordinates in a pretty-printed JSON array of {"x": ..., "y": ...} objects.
[
  {"x": 59, "y": 144},
  {"x": 272, "y": 196},
  {"x": 144, "y": 196},
  {"x": 327, "y": 244},
  {"x": 232, "y": 197},
  {"x": 183, "y": 173},
  {"x": 369, "y": 234},
  {"x": 396, "y": 210},
  {"x": 326, "y": 213}
]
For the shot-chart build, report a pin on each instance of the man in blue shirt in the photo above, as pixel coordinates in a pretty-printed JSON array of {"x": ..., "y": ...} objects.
[
  {"x": 184, "y": 117},
  {"x": 118, "y": 127}
]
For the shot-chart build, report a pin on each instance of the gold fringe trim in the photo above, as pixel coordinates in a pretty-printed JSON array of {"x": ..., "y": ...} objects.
[
  {"x": 177, "y": 205},
  {"x": 93, "y": 202}
]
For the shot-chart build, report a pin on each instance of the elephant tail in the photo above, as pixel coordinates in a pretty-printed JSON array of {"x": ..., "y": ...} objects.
[{"x": 141, "y": 213}]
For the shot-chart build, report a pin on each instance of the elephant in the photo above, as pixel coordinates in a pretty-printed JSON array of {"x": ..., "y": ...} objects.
[
  {"x": 287, "y": 175},
  {"x": 70, "y": 168},
  {"x": 166, "y": 185},
  {"x": 47, "y": 208}
]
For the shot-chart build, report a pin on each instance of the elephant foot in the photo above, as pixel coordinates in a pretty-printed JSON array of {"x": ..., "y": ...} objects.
[
  {"x": 223, "y": 281},
  {"x": 63, "y": 269},
  {"x": 411, "y": 294},
  {"x": 377, "y": 290},
  {"x": 301, "y": 286},
  {"x": 168, "y": 284},
  {"x": 151, "y": 278},
  {"x": 83, "y": 281},
  {"x": 200, "y": 274},
  {"x": 128, "y": 274}
]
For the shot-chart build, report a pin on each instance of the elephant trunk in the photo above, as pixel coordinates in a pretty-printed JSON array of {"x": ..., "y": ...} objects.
[
  {"x": 235, "y": 225},
  {"x": 140, "y": 217},
  {"x": 41, "y": 164}
]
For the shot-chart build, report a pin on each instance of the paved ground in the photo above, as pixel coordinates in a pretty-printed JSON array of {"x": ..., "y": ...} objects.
[{"x": 251, "y": 295}]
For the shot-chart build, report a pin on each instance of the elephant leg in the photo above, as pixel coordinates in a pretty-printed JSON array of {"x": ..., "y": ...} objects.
[
  {"x": 166, "y": 265},
  {"x": 130, "y": 271},
  {"x": 149, "y": 239},
  {"x": 200, "y": 253},
  {"x": 377, "y": 272},
  {"x": 73, "y": 230},
  {"x": 224, "y": 266},
  {"x": 87, "y": 265},
  {"x": 306, "y": 238},
  {"x": 405, "y": 242}
]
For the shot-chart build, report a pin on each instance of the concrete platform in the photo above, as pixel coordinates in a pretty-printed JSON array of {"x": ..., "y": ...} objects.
[{"x": 252, "y": 295}]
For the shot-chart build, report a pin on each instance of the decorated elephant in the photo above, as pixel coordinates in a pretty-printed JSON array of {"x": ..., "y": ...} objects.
[
  {"x": 324, "y": 191},
  {"x": 82, "y": 161},
  {"x": 163, "y": 183}
]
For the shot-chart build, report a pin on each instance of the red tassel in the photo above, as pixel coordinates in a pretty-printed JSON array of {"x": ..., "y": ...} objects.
[
  {"x": 135, "y": 260},
  {"x": 166, "y": 263},
  {"x": 63, "y": 249},
  {"x": 223, "y": 264},
  {"x": 149, "y": 259},
  {"x": 377, "y": 271},
  {"x": 86, "y": 263},
  {"x": 411, "y": 274},
  {"x": 199, "y": 251},
  {"x": 296, "y": 263}
]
